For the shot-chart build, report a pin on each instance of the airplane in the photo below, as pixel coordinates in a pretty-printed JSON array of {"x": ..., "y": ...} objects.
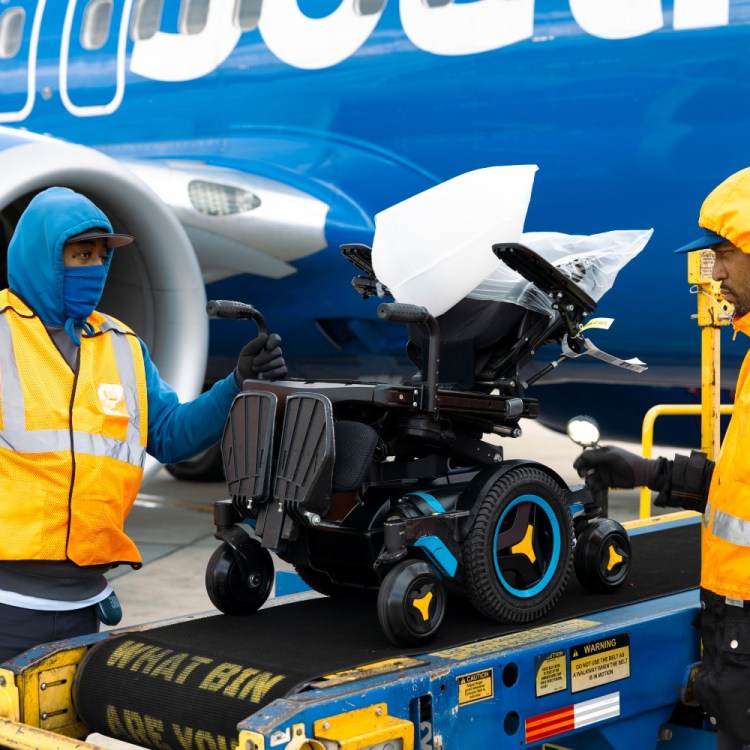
[{"x": 243, "y": 141}]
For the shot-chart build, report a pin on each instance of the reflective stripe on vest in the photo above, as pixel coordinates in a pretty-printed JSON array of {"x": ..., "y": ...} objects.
[
  {"x": 10, "y": 385},
  {"x": 730, "y": 528},
  {"x": 16, "y": 437}
]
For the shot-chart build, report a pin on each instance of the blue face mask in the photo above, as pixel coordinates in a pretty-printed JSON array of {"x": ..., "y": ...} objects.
[{"x": 82, "y": 290}]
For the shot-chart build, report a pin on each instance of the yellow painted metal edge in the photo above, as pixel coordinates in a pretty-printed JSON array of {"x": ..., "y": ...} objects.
[
  {"x": 664, "y": 518},
  {"x": 10, "y": 700},
  {"x": 385, "y": 666},
  {"x": 252, "y": 740},
  {"x": 18, "y": 736},
  {"x": 365, "y": 727}
]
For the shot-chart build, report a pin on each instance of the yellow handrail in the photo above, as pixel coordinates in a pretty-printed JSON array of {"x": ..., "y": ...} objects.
[
  {"x": 713, "y": 313},
  {"x": 647, "y": 438}
]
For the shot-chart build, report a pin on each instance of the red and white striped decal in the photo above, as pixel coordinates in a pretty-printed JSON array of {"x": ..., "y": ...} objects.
[{"x": 572, "y": 717}]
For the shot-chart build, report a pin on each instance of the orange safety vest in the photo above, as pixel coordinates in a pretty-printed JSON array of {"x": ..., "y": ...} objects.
[
  {"x": 72, "y": 444},
  {"x": 725, "y": 567}
]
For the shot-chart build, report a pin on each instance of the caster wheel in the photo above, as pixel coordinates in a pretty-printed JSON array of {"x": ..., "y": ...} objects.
[
  {"x": 411, "y": 603},
  {"x": 518, "y": 553},
  {"x": 227, "y": 588},
  {"x": 602, "y": 556}
]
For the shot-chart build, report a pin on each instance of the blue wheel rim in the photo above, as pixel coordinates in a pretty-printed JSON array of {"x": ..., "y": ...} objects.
[{"x": 551, "y": 568}]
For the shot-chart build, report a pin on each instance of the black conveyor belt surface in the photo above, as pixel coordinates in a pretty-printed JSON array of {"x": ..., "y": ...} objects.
[{"x": 200, "y": 677}]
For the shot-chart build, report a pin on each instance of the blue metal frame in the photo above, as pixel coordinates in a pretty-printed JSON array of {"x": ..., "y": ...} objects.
[{"x": 661, "y": 641}]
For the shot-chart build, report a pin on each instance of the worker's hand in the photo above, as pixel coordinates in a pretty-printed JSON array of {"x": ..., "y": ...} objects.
[
  {"x": 614, "y": 467},
  {"x": 262, "y": 359}
]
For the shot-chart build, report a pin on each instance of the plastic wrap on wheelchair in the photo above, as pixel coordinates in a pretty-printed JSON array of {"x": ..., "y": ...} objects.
[{"x": 394, "y": 488}]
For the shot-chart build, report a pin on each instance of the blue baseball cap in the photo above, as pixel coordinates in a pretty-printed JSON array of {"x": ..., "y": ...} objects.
[{"x": 708, "y": 239}]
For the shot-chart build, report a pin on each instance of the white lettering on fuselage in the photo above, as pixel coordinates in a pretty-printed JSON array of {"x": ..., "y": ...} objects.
[{"x": 314, "y": 43}]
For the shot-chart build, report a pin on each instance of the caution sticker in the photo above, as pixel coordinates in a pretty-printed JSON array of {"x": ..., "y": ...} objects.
[
  {"x": 476, "y": 686},
  {"x": 551, "y": 673},
  {"x": 599, "y": 662}
]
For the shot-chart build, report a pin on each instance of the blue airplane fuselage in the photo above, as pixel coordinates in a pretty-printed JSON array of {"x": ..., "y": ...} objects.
[{"x": 632, "y": 110}]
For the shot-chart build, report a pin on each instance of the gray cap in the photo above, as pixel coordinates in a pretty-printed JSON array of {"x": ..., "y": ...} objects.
[{"x": 113, "y": 240}]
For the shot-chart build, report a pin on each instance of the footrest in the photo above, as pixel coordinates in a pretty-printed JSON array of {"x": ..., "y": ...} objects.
[
  {"x": 246, "y": 447},
  {"x": 306, "y": 452}
]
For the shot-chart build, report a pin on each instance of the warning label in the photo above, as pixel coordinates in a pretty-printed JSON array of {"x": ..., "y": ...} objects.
[
  {"x": 599, "y": 662},
  {"x": 551, "y": 673},
  {"x": 474, "y": 687}
]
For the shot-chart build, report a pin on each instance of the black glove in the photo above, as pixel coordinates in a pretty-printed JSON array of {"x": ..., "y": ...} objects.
[
  {"x": 615, "y": 467},
  {"x": 262, "y": 359}
]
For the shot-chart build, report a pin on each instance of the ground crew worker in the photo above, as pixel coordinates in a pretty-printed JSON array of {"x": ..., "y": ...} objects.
[
  {"x": 721, "y": 491},
  {"x": 81, "y": 403}
]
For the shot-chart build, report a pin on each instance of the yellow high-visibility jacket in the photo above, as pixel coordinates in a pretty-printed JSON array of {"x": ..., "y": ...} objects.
[
  {"x": 72, "y": 444},
  {"x": 725, "y": 567}
]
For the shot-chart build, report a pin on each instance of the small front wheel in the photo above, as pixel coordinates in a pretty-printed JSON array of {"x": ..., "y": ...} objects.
[
  {"x": 411, "y": 603},
  {"x": 229, "y": 590},
  {"x": 602, "y": 556}
]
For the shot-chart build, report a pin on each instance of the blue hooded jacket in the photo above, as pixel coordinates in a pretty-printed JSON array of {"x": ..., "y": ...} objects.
[
  {"x": 176, "y": 431},
  {"x": 35, "y": 253}
]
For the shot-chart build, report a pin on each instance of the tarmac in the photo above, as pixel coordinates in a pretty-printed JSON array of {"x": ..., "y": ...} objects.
[{"x": 172, "y": 524}]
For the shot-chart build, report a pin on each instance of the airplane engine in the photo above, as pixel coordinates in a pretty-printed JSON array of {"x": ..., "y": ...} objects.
[{"x": 155, "y": 285}]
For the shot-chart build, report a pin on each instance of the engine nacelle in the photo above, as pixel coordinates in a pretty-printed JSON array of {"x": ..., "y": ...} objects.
[{"x": 155, "y": 285}]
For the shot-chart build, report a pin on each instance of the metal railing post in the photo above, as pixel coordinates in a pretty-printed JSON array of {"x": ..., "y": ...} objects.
[{"x": 713, "y": 312}]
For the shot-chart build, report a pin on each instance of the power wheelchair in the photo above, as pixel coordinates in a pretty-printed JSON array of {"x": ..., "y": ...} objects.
[{"x": 393, "y": 488}]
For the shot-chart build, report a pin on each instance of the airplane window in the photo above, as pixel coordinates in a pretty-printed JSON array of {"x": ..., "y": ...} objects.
[
  {"x": 96, "y": 21},
  {"x": 11, "y": 31},
  {"x": 193, "y": 16},
  {"x": 247, "y": 13},
  {"x": 146, "y": 19},
  {"x": 368, "y": 7}
]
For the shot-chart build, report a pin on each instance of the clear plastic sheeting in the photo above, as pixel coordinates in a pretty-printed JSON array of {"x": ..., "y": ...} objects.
[
  {"x": 591, "y": 261},
  {"x": 435, "y": 247}
]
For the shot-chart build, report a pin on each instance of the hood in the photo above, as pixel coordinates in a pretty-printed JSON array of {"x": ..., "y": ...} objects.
[
  {"x": 35, "y": 261},
  {"x": 726, "y": 210}
]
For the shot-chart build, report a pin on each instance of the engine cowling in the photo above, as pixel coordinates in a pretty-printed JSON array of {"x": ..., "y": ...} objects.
[{"x": 155, "y": 286}]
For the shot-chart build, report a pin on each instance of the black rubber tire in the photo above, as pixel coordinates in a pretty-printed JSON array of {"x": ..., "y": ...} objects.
[
  {"x": 205, "y": 467},
  {"x": 320, "y": 582},
  {"x": 228, "y": 590},
  {"x": 602, "y": 558},
  {"x": 408, "y": 585},
  {"x": 525, "y": 506}
]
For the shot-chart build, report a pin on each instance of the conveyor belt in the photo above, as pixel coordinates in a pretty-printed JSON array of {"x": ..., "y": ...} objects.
[{"x": 206, "y": 674}]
